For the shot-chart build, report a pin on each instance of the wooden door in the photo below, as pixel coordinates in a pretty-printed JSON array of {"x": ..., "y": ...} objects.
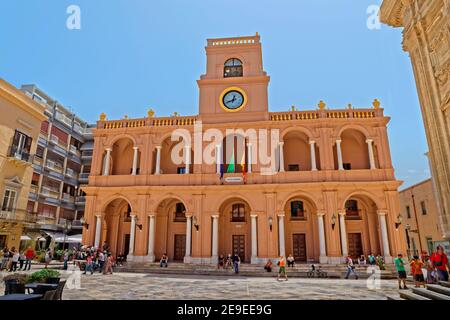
[
  {"x": 179, "y": 247},
  {"x": 299, "y": 246},
  {"x": 355, "y": 249},
  {"x": 126, "y": 244},
  {"x": 239, "y": 246}
]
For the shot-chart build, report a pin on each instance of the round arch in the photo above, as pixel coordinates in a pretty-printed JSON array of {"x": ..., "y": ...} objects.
[
  {"x": 111, "y": 198},
  {"x": 114, "y": 139},
  {"x": 304, "y": 130},
  {"x": 356, "y": 127},
  {"x": 360, "y": 192}
]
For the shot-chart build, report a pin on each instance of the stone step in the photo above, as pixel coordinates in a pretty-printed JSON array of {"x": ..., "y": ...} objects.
[
  {"x": 408, "y": 295},
  {"x": 439, "y": 289},
  {"x": 430, "y": 294},
  {"x": 392, "y": 297},
  {"x": 445, "y": 284}
]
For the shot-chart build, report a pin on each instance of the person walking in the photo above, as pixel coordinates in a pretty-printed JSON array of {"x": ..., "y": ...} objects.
[
  {"x": 401, "y": 272},
  {"x": 108, "y": 265},
  {"x": 282, "y": 268},
  {"x": 5, "y": 258},
  {"x": 439, "y": 261},
  {"x": 350, "y": 268},
  {"x": 236, "y": 261},
  {"x": 89, "y": 264},
  {"x": 416, "y": 269},
  {"x": 101, "y": 261},
  {"x": 14, "y": 260},
  {"x": 48, "y": 257},
  {"x": 29, "y": 255}
]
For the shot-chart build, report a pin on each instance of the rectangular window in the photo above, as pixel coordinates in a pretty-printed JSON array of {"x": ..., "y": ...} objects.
[
  {"x": 293, "y": 167},
  {"x": 181, "y": 170},
  {"x": 351, "y": 209},
  {"x": 21, "y": 146},
  {"x": 9, "y": 200},
  {"x": 297, "y": 210},
  {"x": 238, "y": 213},
  {"x": 408, "y": 212},
  {"x": 347, "y": 166},
  {"x": 423, "y": 207}
]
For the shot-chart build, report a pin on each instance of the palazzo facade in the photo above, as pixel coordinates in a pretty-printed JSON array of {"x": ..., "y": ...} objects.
[{"x": 329, "y": 192}]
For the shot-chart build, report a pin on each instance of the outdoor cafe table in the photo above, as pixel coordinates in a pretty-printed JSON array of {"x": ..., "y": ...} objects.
[
  {"x": 44, "y": 286},
  {"x": 20, "y": 297}
]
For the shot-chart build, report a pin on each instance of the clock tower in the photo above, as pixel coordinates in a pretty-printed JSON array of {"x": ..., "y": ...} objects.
[{"x": 234, "y": 87}]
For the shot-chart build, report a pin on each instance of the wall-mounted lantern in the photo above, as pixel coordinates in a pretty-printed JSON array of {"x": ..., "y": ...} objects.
[
  {"x": 333, "y": 221},
  {"x": 270, "y": 223}
]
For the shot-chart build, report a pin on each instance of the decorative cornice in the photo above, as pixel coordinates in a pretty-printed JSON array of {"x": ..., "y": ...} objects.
[{"x": 391, "y": 13}]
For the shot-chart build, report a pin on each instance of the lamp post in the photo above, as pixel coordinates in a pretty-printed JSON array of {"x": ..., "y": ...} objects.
[{"x": 66, "y": 228}]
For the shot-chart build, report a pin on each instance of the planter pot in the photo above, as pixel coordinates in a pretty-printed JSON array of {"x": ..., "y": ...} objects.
[
  {"x": 52, "y": 280},
  {"x": 11, "y": 286}
]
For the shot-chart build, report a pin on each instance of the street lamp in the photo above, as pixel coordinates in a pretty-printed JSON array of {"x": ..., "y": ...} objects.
[
  {"x": 270, "y": 223},
  {"x": 398, "y": 222},
  {"x": 66, "y": 228},
  {"x": 333, "y": 221},
  {"x": 195, "y": 223},
  {"x": 84, "y": 223}
]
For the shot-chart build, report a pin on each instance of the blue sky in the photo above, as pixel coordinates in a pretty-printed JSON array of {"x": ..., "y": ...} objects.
[{"x": 134, "y": 54}]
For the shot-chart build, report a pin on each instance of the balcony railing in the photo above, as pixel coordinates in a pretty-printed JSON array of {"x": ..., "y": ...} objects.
[
  {"x": 57, "y": 141},
  {"x": 18, "y": 216},
  {"x": 73, "y": 149},
  {"x": 19, "y": 154},
  {"x": 50, "y": 192},
  {"x": 87, "y": 154},
  {"x": 80, "y": 200},
  {"x": 68, "y": 198},
  {"x": 71, "y": 173},
  {"x": 54, "y": 166}
]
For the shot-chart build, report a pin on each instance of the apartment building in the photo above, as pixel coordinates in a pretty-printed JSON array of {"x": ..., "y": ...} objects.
[
  {"x": 61, "y": 166},
  {"x": 19, "y": 130}
]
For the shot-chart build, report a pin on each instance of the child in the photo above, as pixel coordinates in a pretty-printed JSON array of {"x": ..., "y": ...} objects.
[{"x": 416, "y": 269}]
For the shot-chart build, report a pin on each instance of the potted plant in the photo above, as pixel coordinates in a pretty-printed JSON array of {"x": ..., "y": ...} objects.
[
  {"x": 15, "y": 283},
  {"x": 45, "y": 276}
]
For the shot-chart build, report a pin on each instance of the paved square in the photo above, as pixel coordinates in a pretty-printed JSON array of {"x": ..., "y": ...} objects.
[{"x": 130, "y": 286}]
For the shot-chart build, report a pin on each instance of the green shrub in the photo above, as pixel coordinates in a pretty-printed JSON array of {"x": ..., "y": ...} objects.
[{"x": 43, "y": 275}]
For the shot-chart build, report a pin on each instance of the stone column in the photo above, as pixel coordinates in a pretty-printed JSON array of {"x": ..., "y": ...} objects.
[
  {"x": 371, "y": 154},
  {"x": 312, "y": 145},
  {"x": 249, "y": 157},
  {"x": 343, "y": 230},
  {"x": 322, "y": 244},
  {"x": 215, "y": 238},
  {"x": 135, "y": 161},
  {"x": 187, "y": 255},
  {"x": 281, "y": 234},
  {"x": 187, "y": 158},
  {"x": 384, "y": 235},
  {"x": 107, "y": 162},
  {"x": 218, "y": 159},
  {"x": 98, "y": 230},
  {"x": 281, "y": 155},
  {"x": 132, "y": 236},
  {"x": 158, "y": 160},
  {"x": 151, "y": 239},
  {"x": 254, "y": 238},
  {"x": 339, "y": 154}
]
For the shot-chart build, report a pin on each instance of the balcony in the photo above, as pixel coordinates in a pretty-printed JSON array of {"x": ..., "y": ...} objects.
[
  {"x": 55, "y": 166},
  {"x": 45, "y": 218},
  {"x": 55, "y": 140},
  {"x": 19, "y": 156},
  {"x": 80, "y": 200},
  {"x": 83, "y": 177},
  {"x": 87, "y": 154},
  {"x": 68, "y": 198},
  {"x": 71, "y": 173},
  {"x": 37, "y": 160},
  {"x": 73, "y": 149},
  {"x": 34, "y": 188},
  {"x": 50, "y": 192},
  {"x": 18, "y": 216}
]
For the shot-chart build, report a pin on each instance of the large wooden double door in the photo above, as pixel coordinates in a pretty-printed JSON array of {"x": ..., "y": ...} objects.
[
  {"x": 239, "y": 246},
  {"x": 355, "y": 248},
  {"x": 299, "y": 246}
]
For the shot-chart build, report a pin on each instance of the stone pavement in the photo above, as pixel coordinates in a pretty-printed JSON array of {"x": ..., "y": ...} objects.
[{"x": 126, "y": 286}]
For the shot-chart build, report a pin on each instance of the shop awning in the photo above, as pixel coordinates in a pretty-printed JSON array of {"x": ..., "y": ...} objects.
[
  {"x": 24, "y": 238},
  {"x": 76, "y": 238}
]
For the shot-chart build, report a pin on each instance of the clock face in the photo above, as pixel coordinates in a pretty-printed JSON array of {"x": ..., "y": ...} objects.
[{"x": 233, "y": 100}]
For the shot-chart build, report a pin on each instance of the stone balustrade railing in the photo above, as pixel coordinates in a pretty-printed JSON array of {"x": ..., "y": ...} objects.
[
  {"x": 329, "y": 114},
  {"x": 147, "y": 122}
]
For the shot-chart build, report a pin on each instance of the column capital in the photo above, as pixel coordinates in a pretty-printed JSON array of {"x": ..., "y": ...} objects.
[
  {"x": 187, "y": 147},
  {"x": 189, "y": 215},
  {"x": 215, "y": 216},
  {"x": 281, "y": 143},
  {"x": 342, "y": 212},
  {"x": 369, "y": 140},
  {"x": 98, "y": 215},
  {"x": 158, "y": 147},
  {"x": 312, "y": 142},
  {"x": 108, "y": 149},
  {"x": 135, "y": 148},
  {"x": 320, "y": 213},
  {"x": 152, "y": 214},
  {"x": 338, "y": 140},
  {"x": 381, "y": 212},
  {"x": 253, "y": 215}
]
